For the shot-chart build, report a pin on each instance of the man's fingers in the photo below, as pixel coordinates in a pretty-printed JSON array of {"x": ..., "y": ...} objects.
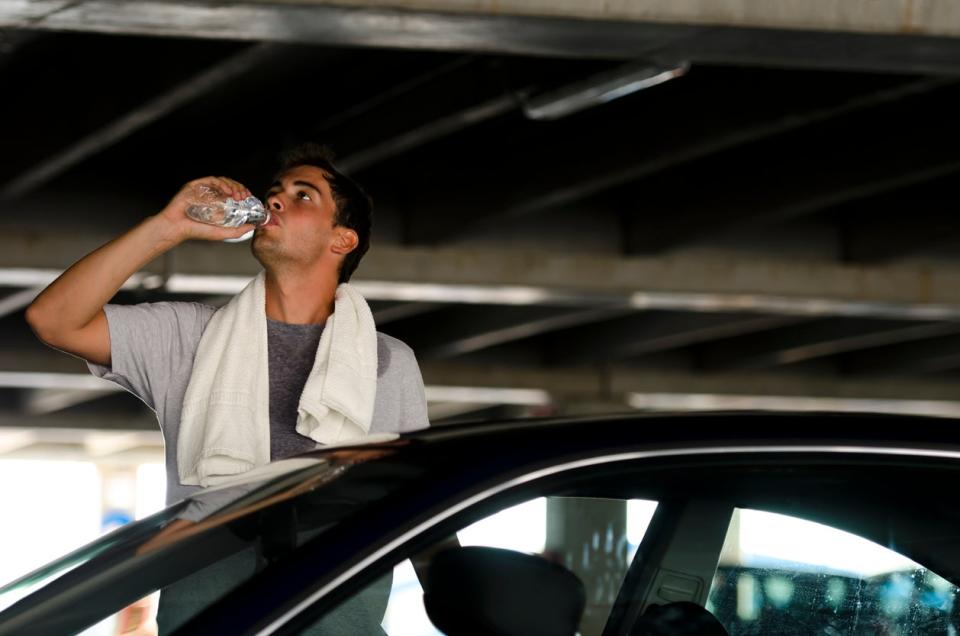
[
  {"x": 237, "y": 189},
  {"x": 226, "y": 186}
]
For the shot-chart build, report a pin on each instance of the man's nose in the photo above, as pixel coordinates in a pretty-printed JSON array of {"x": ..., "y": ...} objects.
[{"x": 274, "y": 203}]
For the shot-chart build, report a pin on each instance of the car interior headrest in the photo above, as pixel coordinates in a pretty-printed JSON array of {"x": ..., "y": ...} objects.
[
  {"x": 681, "y": 618},
  {"x": 480, "y": 590}
]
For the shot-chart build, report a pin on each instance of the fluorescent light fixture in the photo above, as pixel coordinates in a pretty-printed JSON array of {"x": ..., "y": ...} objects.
[
  {"x": 43, "y": 380},
  {"x": 785, "y": 306},
  {"x": 41, "y": 277},
  {"x": 599, "y": 89},
  {"x": 518, "y": 295},
  {"x": 469, "y": 294},
  {"x": 27, "y": 276},
  {"x": 791, "y": 403},
  {"x": 199, "y": 284},
  {"x": 483, "y": 395}
]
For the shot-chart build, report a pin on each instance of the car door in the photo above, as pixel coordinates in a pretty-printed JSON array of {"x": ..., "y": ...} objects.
[{"x": 685, "y": 554}]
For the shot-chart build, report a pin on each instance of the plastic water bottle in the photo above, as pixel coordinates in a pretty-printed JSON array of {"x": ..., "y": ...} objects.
[{"x": 210, "y": 205}]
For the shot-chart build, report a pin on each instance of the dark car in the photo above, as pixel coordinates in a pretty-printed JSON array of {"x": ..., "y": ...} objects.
[{"x": 694, "y": 524}]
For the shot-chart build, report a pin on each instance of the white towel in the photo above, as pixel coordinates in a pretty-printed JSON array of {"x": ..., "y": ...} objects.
[{"x": 225, "y": 421}]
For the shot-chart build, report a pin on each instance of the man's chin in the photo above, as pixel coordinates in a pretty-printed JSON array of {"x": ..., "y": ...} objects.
[{"x": 265, "y": 249}]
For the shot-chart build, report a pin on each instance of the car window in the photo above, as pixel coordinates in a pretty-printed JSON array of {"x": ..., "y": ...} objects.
[
  {"x": 784, "y": 575},
  {"x": 596, "y": 538},
  {"x": 202, "y": 548}
]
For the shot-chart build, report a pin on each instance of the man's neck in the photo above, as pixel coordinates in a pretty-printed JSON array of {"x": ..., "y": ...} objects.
[{"x": 302, "y": 299}]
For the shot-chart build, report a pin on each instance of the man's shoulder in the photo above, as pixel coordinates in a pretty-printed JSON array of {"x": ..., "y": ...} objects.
[
  {"x": 395, "y": 357},
  {"x": 394, "y": 345}
]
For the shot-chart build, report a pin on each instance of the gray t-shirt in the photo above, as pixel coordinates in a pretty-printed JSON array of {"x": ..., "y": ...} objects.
[
  {"x": 291, "y": 350},
  {"x": 152, "y": 346}
]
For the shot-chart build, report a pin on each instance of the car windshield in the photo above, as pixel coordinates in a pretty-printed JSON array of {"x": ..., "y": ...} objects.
[{"x": 223, "y": 534}]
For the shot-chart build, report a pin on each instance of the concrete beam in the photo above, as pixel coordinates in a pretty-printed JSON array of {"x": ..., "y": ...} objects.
[
  {"x": 527, "y": 277},
  {"x": 446, "y": 410},
  {"x": 145, "y": 421},
  {"x": 12, "y": 303},
  {"x": 892, "y": 35},
  {"x": 660, "y": 331},
  {"x": 401, "y": 311},
  {"x": 571, "y": 384},
  {"x": 80, "y": 444},
  {"x": 474, "y": 385},
  {"x": 502, "y": 325},
  {"x": 43, "y": 401},
  {"x": 933, "y": 17}
]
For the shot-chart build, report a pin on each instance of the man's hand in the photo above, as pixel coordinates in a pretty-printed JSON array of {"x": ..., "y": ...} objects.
[{"x": 181, "y": 227}]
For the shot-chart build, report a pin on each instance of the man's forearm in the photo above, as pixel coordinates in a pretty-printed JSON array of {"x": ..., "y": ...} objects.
[{"x": 78, "y": 295}]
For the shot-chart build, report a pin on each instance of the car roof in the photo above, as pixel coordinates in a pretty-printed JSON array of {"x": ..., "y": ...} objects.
[
  {"x": 710, "y": 429},
  {"x": 882, "y": 477}
]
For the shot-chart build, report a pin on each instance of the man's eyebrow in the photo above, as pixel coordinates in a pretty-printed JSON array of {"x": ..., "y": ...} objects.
[
  {"x": 307, "y": 184},
  {"x": 277, "y": 185}
]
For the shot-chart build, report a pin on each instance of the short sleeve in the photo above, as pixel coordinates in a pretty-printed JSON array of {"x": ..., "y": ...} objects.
[
  {"x": 414, "y": 417},
  {"x": 149, "y": 343}
]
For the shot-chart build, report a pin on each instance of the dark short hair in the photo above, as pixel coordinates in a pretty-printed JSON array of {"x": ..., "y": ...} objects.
[{"x": 354, "y": 207}]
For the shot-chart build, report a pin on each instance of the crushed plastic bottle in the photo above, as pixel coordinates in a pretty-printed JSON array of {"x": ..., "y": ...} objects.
[{"x": 210, "y": 205}]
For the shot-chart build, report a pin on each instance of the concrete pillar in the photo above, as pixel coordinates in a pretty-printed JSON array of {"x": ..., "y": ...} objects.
[{"x": 589, "y": 537}]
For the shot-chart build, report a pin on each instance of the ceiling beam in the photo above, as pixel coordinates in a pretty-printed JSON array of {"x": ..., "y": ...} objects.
[
  {"x": 469, "y": 384},
  {"x": 105, "y": 421},
  {"x": 820, "y": 34},
  {"x": 446, "y": 410},
  {"x": 501, "y": 325},
  {"x": 678, "y": 402},
  {"x": 586, "y": 383},
  {"x": 18, "y": 300},
  {"x": 16, "y": 439},
  {"x": 934, "y": 17},
  {"x": 682, "y": 282},
  {"x": 655, "y": 332},
  {"x": 80, "y": 444},
  {"x": 395, "y": 312},
  {"x": 125, "y": 125},
  {"x": 51, "y": 400}
]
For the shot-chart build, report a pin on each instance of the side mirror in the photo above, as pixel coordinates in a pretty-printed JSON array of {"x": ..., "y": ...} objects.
[{"x": 477, "y": 590}]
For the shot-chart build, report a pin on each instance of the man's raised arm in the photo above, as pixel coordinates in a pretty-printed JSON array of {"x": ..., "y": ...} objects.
[{"x": 69, "y": 316}]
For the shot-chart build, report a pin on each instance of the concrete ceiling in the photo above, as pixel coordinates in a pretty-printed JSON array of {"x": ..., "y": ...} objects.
[{"x": 775, "y": 228}]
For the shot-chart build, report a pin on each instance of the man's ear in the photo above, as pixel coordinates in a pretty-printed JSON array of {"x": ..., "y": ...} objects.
[{"x": 346, "y": 241}]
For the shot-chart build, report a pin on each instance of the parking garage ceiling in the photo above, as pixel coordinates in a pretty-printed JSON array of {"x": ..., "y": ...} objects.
[{"x": 775, "y": 223}]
